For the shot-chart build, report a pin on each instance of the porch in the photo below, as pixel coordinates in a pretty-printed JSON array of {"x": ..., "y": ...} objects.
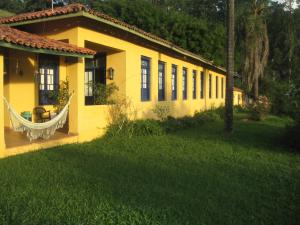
[
  {"x": 28, "y": 75},
  {"x": 17, "y": 143}
]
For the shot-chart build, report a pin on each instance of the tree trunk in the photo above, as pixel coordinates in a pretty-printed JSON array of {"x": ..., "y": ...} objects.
[
  {"x": 230, "y": 67},
  {"x": 256, "y": 89}
]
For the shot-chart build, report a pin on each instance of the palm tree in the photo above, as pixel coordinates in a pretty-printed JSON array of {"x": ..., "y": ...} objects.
[{"x": 230, "y": 67}]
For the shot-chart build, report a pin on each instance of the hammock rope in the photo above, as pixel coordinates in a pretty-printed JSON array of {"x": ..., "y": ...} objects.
[{"x": 37, "y": 130}]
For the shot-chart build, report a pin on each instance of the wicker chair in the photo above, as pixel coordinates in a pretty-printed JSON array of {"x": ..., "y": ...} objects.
[{"x": 41, "y": 114}]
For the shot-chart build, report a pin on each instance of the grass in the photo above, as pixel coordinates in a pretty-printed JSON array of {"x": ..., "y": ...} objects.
[
  {"x": 4, "y": 13},
  {"x": 194, "y": 176}
]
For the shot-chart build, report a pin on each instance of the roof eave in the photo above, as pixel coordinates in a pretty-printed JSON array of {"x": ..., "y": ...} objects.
[
  {"x": 42, "y": 50},
  {"x": 93, "y": 17}
]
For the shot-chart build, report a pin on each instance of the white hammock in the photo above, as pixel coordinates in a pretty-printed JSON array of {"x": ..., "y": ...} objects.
[{"x": 37, "y": 130}]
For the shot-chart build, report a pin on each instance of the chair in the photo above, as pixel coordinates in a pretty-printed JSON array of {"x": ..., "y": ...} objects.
[{"x": 41, "y": 114}]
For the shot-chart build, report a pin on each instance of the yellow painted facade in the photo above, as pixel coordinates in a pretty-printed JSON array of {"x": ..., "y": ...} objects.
[
  {"x": 2, "y": 141},
  {"x": 87, "y": 122},
  {"x": 238, "y": 97}
]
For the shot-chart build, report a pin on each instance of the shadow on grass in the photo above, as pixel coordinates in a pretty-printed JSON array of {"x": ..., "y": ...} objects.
[
  {"x": 152, "y": 180},
  {"x": 246, "y": 134},
  {"x": 132, "y": 184}
]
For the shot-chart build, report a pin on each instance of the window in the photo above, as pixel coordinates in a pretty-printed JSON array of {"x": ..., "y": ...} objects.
[
  {"x": 222, "y": 87},
  {"x": 145, "y": 78},
  {"x": 48, "y": 79},
  {"x": 210, "y": 86},
  {"x": 194, "y": 84},
  {"x": 161, "y": 81},
  {"x": 95, "y": 80},
  {"x": 174, "y": 82},
  {"x": 184, "y": 83},
  {"x": 217, "y": 87},
  {"x": 202, "y": 85},
  {"x": 89, "y": 80},
  {"x": 5, "y": 65}
]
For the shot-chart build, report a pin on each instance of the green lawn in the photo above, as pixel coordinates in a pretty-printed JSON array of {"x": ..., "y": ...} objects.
[{"x": 195, "y": 176}]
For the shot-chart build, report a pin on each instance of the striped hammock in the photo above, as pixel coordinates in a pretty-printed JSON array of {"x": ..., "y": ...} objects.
[{"x": 37, "y": 130}]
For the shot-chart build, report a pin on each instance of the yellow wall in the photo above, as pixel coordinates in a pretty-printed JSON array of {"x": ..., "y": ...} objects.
[
  {"x": 20, "y": 86},
  {"x": 237, "y": 97},
  {"x": 90, "y": 121},
  {"x": 2, "y": 142}
]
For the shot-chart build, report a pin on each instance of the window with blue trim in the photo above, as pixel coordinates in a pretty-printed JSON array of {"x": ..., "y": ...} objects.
[
  {"x": 217, "y": 87},
  {"x": 145, "y": 78},
  {"x": 161, "y": 81},
  {"x": 194, "y": 84},
  {"x": 202, "y": 85},
  {"x": 222, "y": 87},
  {"x": 48, "y": 79},
  {"x": 184, "y": 83},
  {"x": 210, "y": 86},
  {"x": 174, "y": 82}
]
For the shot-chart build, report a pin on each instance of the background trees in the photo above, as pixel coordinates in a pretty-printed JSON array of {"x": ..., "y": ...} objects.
[
  {"x": 199, "y": 26},
  {"x": 230, "y": 66}
]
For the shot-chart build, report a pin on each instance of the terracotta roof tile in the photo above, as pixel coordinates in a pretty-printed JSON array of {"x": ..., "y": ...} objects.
[
  {"x": 73, "y": 8},
  {"x": 17, "y": 37},
  {"x": 238, "y": 89}
]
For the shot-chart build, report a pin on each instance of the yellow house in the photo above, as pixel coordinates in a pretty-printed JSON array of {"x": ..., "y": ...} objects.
[
  {"x": 38, "y": 50},
  {"x": 238, "y": 95}
]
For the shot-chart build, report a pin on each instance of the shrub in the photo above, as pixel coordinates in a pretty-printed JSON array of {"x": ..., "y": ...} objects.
[
  {"x": 240, "y": 109},
  {"x": 292, "y": 134},
  {"x": 104, "y": 93},
  {"x": 207, "y": 116},
  {"x": 147, "y": 128},
  {"x": 173, "y": 124},
  {"x": 62, "y": 96},
  {"x": 260, "y": 108},
  {"x": 121, "y": 111},
  {"x": 162, "y": 111},
  {"x": 136, "y": 128}
]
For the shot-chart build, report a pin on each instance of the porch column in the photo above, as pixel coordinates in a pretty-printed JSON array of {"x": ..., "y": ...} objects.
[
  {"x": 76, "y": 84},
  {"x": 2, "y": 141},
  {"x": 75, "y": 73}
]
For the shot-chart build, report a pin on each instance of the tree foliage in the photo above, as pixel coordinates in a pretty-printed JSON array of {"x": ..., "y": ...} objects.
[
  {"x": 256, "y": 44},
  {"x": 199, "y": 26}
]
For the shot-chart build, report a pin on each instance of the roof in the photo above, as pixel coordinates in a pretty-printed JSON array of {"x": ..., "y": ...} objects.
[
  {"x": 238, "y": 89},
  {"x": 16, "y": 38},
  {"x": 87, "y": 12}
]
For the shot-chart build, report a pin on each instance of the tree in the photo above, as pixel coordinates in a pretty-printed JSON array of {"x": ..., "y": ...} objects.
[
  {"x": 256, "y": 45},
  {"x": 230, "y": 67}
]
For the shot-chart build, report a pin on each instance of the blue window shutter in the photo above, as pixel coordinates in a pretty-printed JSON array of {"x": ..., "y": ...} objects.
[
  {"x": 174, "y": 82},
  {"x": 161, "y": 81},
  {"x": 48, "y": 87},
  {"x": 145, "y": 78}
]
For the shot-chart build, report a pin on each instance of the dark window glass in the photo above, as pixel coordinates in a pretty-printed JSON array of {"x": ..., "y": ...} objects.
[
  {"x": 184, "y": 83},
  {"x": 48, "y": 79},
  {"x": 194, "y": 84},
  {"x": 202, "y": 85},
  {"x": 222, "y": 87},
  {"x": 161, "y": 81},
  {"x": 217, "y": 87},
  {"x": 174, "y": 82},
  {"x": 145, "y": 78},
  {"x": 94, "y": 78},
  {"x": 210, "y": 86}
]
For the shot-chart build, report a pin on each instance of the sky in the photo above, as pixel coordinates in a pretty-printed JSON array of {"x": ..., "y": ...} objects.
[{"x": 281, "y": 1}]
